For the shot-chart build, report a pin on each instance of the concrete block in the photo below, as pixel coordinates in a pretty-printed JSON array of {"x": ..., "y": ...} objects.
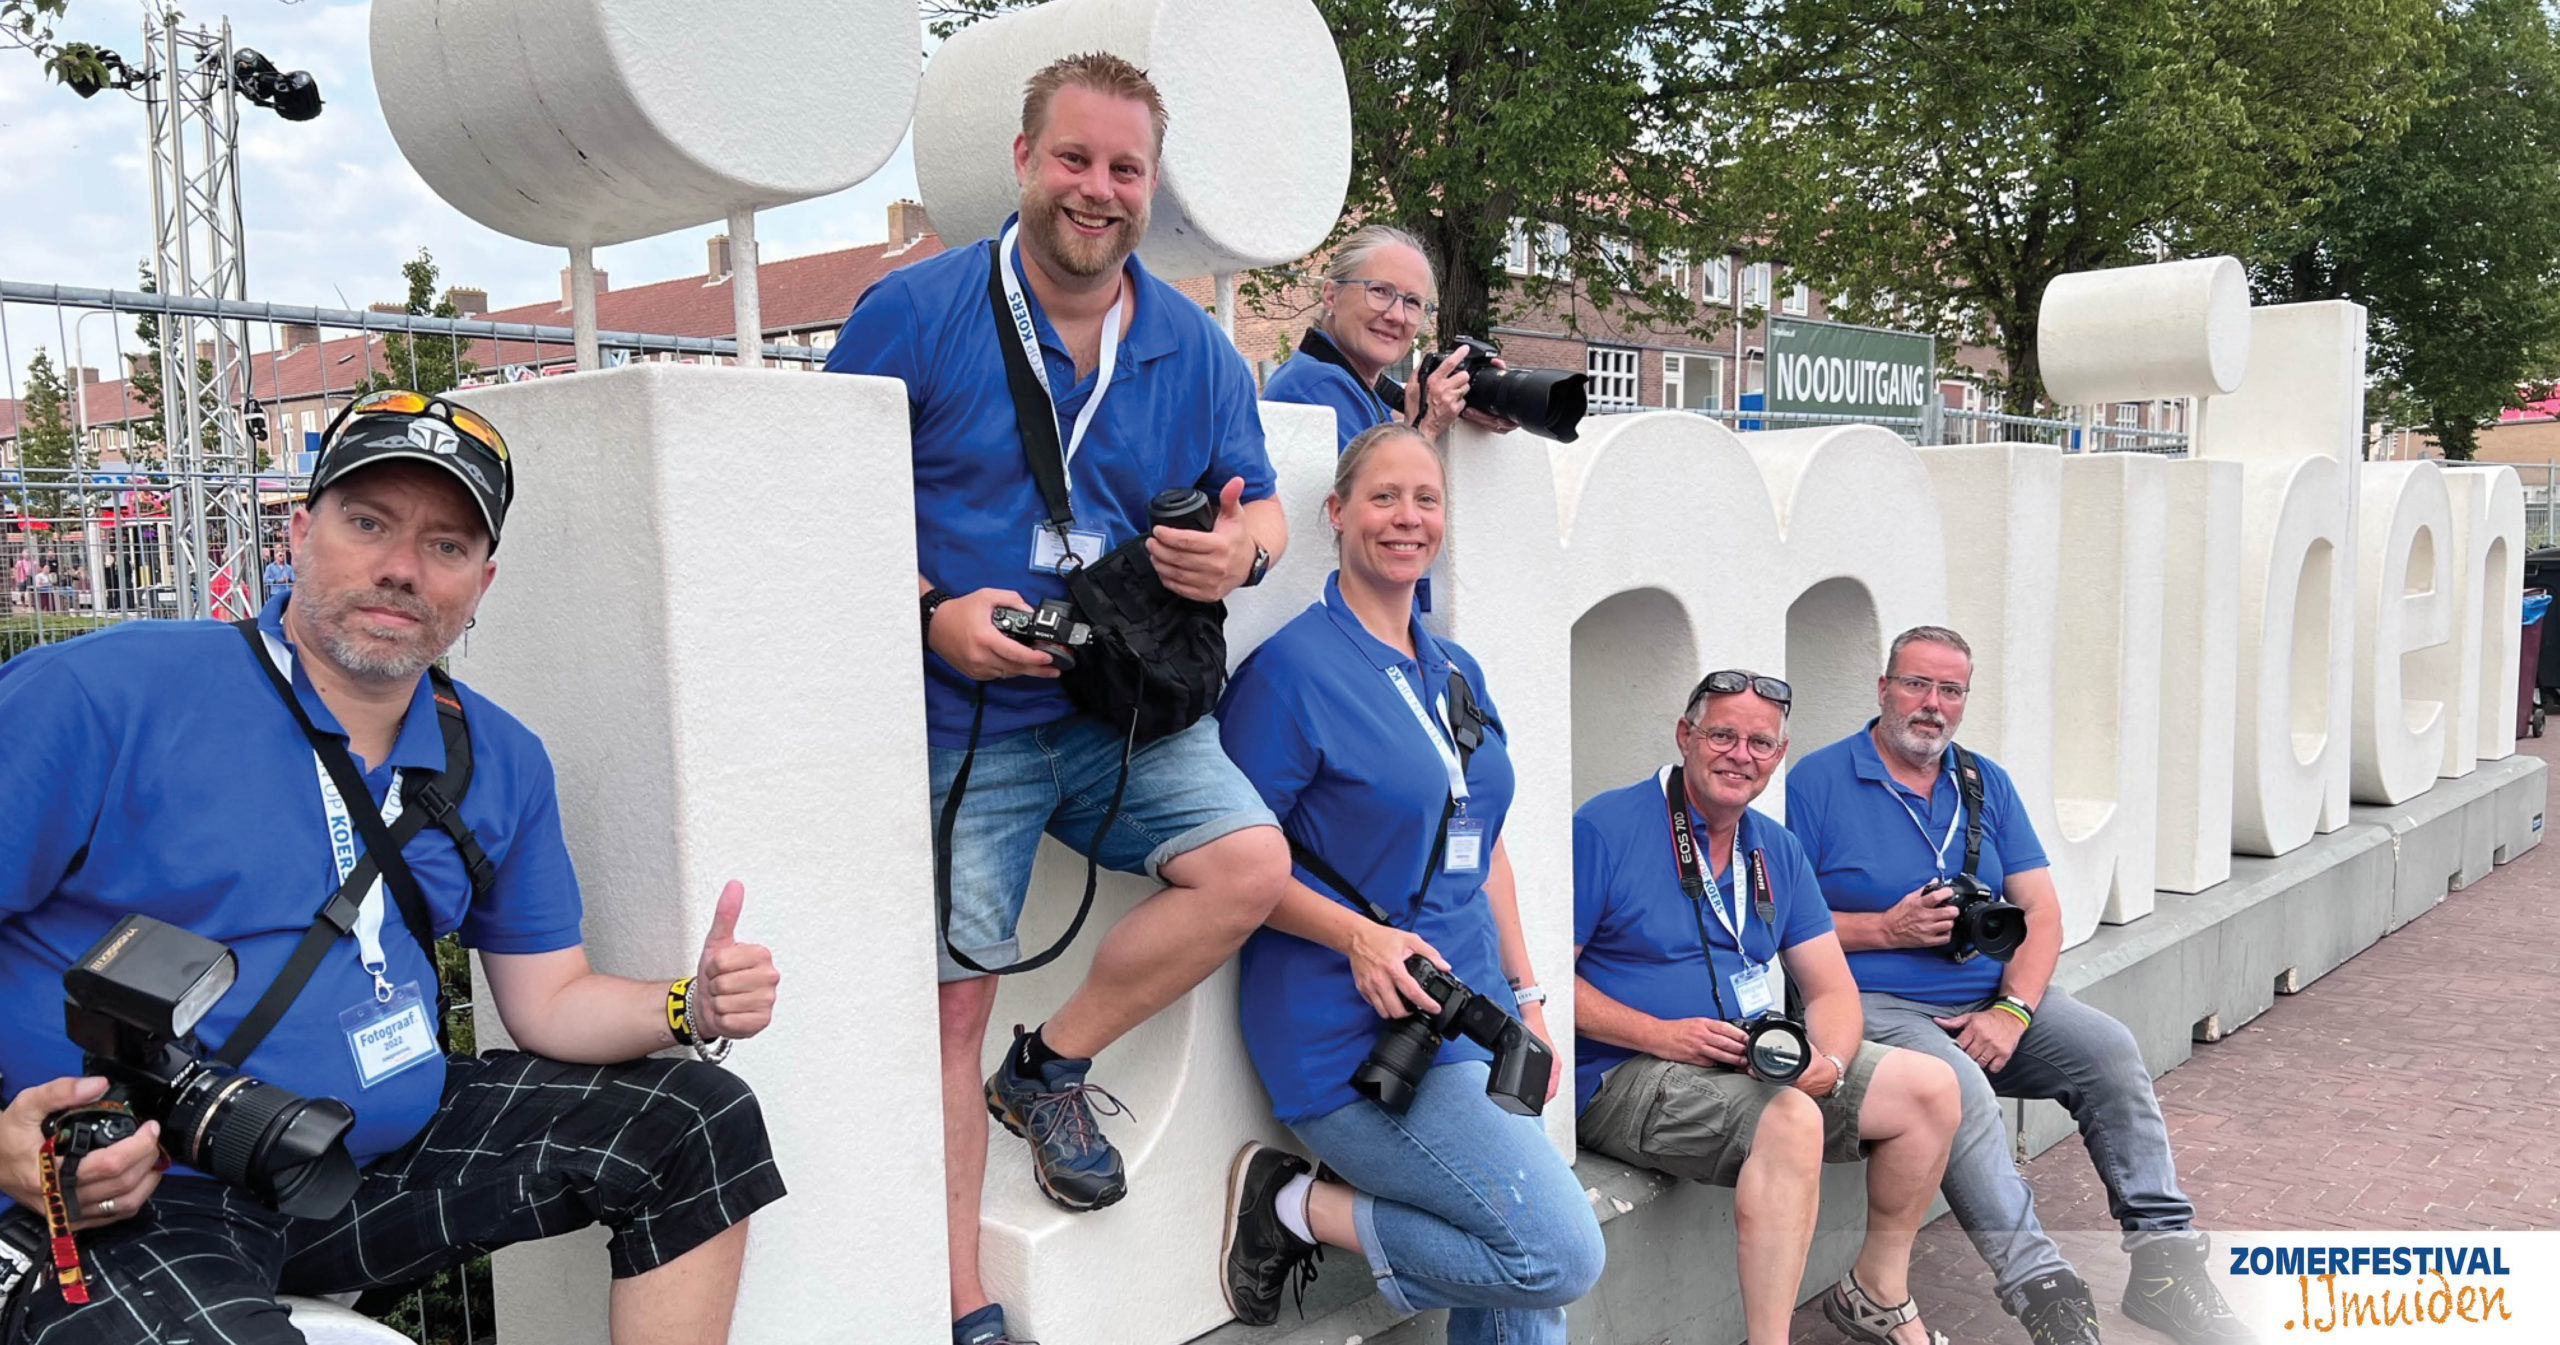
[
  {"x": 597, "y": 121},
  {"x": 1257, "y": 151},
  {"x": 702, "y": 729},
  {"x": 2487, "y": 557},
  {"x": 2108, "y": 657},
  {"x": 2199, "y": 559},
  {"x": 2405, "y": 573},
  {"x": 2134, "y": 333}
]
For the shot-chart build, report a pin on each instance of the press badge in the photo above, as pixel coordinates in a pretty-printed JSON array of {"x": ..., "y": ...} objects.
[
  {"x": 1049, "y": 555},
  {"x": 1751, "y": 991},
  {"x": 389, "y": 1037},
  {"x": 1466, "y": 846}
]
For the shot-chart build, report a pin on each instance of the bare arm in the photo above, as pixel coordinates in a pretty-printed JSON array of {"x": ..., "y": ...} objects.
[
  {"x": 555, "y": 1005},
  {"x": 1691, "y": 1041},
  {"x": 1831, "y": 1013},
  {"x": 2030, "y": 970},
  {"x": 1922, "y": 919}
]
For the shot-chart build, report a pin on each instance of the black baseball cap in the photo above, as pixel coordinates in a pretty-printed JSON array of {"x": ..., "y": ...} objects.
[{"x": 399, "y": 424}]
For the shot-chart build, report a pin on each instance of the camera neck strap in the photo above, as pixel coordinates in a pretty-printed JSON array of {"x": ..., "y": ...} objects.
[
  {"x": 1026, "y": 376},
  {"x": 1317, "y": 346},
  {"x": 1688, "y": 854},
  {"x": 382, "y": 864},
  {"x": 1968, "y": 769},
  {"x": 1466, "y": 728}
]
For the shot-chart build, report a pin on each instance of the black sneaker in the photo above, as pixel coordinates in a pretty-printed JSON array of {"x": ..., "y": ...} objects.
[
  {"x": 2059, "y": 1311},
  {"x": 2173, "y": 1293},
  {"x": 1070, "y": 1157},
  {"x": 1262, "y": 1257},
  {"x": 985, "y": 1327}
]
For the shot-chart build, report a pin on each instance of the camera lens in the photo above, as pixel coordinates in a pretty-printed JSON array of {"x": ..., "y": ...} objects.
[
  {"x": 1396, "y": 1064},
  {"x": 1545, "y": 402},
  {"x": 289, "y": 1150},
  {"x": 1996, "y": 927},
  {"x": 1776, "y": 1051}
]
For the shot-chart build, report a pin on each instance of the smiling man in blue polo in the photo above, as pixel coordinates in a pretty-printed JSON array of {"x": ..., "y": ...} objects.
[
  {"x": 1898, "y": 819},
  {"x": 1054, "y": 320},
  {"x": 200, "y": 774}
]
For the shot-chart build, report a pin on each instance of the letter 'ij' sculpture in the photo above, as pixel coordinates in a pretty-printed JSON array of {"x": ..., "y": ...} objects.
[{"x": 713, "y": 623}]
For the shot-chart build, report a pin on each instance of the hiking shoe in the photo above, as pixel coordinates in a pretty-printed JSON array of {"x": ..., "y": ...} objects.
[
  {"x": 2172, "y": 1293},
  {"x": 1071, "y": 1159},
  {"x": 2059, "y": 1311},
  {"x": 1261, "y": 1256}
]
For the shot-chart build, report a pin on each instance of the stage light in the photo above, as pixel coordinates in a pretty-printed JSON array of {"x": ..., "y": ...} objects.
[{"x": 293, "y": 96}]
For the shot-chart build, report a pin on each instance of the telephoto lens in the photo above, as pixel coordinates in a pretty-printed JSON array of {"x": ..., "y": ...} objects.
[
  {"x": 288, "y": 1150},
  {"x": 1183, "y": 508}
]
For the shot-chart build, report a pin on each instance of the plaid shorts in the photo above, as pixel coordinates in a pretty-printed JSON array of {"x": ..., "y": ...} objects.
[{"x": 666, "y": 1153}]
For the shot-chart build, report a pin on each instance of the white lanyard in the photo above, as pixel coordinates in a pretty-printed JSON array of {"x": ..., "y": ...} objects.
[
  {"x": 1940, "y": 849},
  {"x": 1029, "y": 334},
  {"x": 1437, "y": 733},
  {"x": 343, "y": 847}
]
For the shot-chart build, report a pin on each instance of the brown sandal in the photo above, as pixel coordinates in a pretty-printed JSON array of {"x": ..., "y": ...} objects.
[{"x": 1866, "y": 1321}]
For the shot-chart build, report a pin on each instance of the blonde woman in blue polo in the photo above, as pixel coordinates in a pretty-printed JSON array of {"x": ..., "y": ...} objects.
[{"x": 1343, "y": 720}]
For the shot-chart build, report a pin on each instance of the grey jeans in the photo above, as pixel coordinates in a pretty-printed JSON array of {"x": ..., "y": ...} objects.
[{"x": 2074, "y": 1055}]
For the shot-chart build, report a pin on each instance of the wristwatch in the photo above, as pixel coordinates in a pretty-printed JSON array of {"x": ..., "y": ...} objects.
[
  {"x": 1260, "y": 567},
  {"x": 931, "y": 599},
  {"x": 1839, "y": 1072}
]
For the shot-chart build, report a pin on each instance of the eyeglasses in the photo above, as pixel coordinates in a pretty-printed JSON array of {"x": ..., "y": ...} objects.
[
  {"x": 402, "y": 402},
  {"x": 1953, "y": 693},
  {"x": 1721, "y": 740},
  {"x": 1733, "y": 681},
  {"x": 1383, "y": 296}
]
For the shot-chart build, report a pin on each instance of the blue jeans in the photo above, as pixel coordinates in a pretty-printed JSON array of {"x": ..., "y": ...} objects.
[
  {"x": 1183, "y": 793},
  {"x": 1464, "y": 1206},
  {"x": 2074, "y": 1055}
]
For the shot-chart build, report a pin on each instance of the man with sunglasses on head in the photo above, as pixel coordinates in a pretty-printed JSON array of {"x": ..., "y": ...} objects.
[
  {"x": 1890, "y": 816},
  {"x": 1686, "y": 901},
  {"x": 199, "y": 773}
]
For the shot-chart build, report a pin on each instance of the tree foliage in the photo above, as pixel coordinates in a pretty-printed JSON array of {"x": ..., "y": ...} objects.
[
  {"x": 431, "y": 363},
  {"x": 1949, "y": 168},
  {"x": 2447, "y": 234},
  {"x": 48, "y": 443}
]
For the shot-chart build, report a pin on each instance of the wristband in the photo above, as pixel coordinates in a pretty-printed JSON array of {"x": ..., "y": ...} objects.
[
  {"x": 680, "y": 1011},
  {"x": 1839, "y": 1072},
  {"x": 706, "y": 1048},
  {"x": 930, "y": 601},
  {"x": 1527, "y": 995},
  {"x": 2016, "y": 1008}
]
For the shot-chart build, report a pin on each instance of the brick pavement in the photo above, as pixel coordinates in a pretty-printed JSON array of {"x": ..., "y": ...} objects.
[{"x": 2411, "y": 1088}]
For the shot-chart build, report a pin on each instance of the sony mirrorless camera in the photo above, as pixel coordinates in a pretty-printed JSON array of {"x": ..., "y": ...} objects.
[
  {"x": 131, "y": 1004},
  {"x": 1055, "y": 627},
  {"x": 1521, "y": 1062},
  {"x": 1545, "y": 402},
  {"x": 1986, "y": 924}
]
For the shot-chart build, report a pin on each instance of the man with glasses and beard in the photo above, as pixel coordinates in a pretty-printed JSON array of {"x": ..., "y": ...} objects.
[
  {"x": 1884, "y": 819},
  {"x": 200, "y": 774},
  {"x": 1147, "y": 395}
]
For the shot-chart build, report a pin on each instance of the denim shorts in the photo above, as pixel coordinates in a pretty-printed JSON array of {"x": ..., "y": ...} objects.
[{"x": 1057, "y": 778}]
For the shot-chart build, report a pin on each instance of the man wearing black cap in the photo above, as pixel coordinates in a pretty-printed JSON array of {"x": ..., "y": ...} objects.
[{"x": 199, "y": 774}]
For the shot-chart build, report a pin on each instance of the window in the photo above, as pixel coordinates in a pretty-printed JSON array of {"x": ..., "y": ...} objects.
[
  {"x": 1621, "y": 258},
  {"x": 1613, "y": 375},
  {"x": 823, "y": 340},
  {"x": 1554, "y": 248},
  {"x": 1515, "y": 248},
  {"x": 1693, "y": 382},
  {"x": 1755, "y": 285},
  {"x": 1673, "y": 269},
  {"x": 1799, "y": 301},
  {"x": 1715, "y": 280},
  {"x": 1755, "y": 371}
]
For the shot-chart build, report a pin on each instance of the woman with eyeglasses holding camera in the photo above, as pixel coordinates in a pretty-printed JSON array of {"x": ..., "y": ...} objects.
[
  {"x": 1379, "y": 748},
  {"x": 1375, "y": 298}
]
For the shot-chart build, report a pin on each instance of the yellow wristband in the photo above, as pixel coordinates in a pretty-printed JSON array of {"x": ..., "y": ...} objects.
[
  {"x": 677, "y": 994},
  {"x": 2024, "y": 1018}
]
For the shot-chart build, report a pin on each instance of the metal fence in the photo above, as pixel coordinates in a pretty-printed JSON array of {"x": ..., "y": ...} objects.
[{"x": 1949, "y": 425}]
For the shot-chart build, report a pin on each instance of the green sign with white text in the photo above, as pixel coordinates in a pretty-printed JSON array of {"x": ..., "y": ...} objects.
[{"x": 1839, "y": 370}]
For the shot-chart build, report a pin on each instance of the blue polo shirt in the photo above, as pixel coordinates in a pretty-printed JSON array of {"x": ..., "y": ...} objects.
[
  {"x": 1871, "y": 841},
  {"x": 1636, "y": 927},
  {"x": 1180, "y": 413},
  {"x": 1314, "y": 382},
  {"x": 149, "y": 769},
  {"x": 1313, "y": 721}
]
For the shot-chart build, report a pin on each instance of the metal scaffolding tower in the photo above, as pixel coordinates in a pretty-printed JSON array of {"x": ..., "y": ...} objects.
[{"x": 194, "y": 111}]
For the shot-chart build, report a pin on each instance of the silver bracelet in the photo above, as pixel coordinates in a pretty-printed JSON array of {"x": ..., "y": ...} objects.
[{"x": 706, "y": 1048}]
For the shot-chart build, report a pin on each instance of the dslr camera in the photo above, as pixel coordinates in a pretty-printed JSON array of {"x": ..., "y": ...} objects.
[
  {"x": 1545, "y": 402},
  {"x": 131, "y": 1005},
  {"x": 1775, "y": 1048},
  {"x": 1521, "y": 1062},
  {"x": 1986, "y": 923},
  {"x": 1054, "y": 626}
]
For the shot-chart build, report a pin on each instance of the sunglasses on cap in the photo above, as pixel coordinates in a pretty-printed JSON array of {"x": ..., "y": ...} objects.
[
  {"x": 1733, "y": 681},
  {"x": 402, "y": 402}
]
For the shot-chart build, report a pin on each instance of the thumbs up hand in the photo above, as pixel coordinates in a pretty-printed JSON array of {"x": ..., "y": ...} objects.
[
  {"x": 1206, "y": 566},
  {"x": 734, "y": 982}
]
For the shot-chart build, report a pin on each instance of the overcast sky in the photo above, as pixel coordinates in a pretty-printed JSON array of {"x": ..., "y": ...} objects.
[{"x": 332, "y": 208}]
